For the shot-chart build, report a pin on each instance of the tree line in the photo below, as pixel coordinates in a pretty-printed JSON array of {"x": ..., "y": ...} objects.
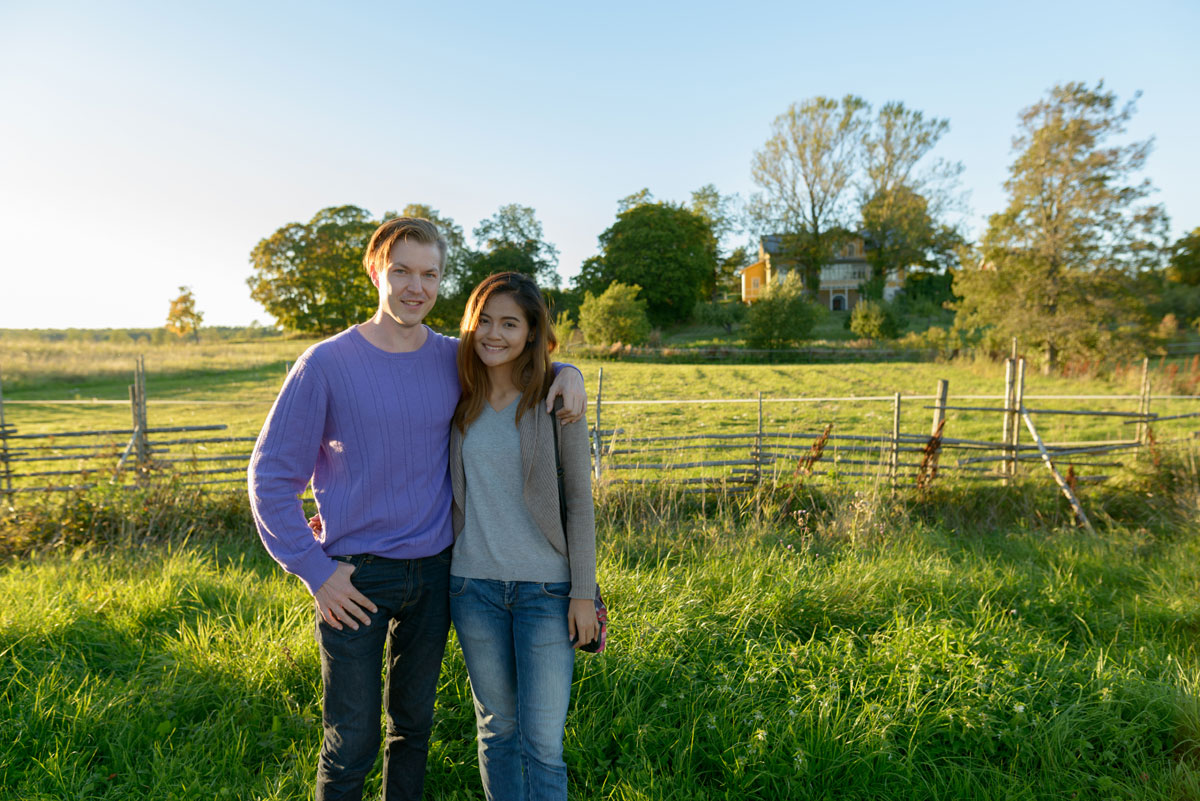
[{"x": 1076, "y": 263}]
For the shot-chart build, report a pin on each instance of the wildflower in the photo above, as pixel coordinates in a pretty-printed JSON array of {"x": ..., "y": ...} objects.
[
  {"x": 760, "y": 735},
  {"x": 1019, "y": 709}
]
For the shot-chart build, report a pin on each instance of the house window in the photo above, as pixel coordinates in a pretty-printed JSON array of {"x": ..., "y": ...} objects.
[{"x": 754, "y": 283}]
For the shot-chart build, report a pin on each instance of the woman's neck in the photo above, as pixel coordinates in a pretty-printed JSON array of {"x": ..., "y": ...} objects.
[{"x": 502, "y": 390}]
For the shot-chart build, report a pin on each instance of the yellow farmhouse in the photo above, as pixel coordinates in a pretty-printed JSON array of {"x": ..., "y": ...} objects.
[{"x": 840, "y": 278}]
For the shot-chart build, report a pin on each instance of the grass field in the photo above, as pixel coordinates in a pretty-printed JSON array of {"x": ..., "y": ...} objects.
[
  {"x": 970, "y": 646},
  {"x": 234, "y": 384},
  {"x": 804, "y": 642}
]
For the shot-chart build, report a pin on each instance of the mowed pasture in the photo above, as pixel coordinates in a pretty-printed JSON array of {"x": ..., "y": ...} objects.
[{"x": 809, "y": 641}]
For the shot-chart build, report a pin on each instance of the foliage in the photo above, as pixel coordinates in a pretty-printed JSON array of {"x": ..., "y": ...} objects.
[
  {"x": 310, "y": 277},
  {"x": 1057, "y": 264},
  {"x": 782, "y": 316},
  {"x": 616, "y": 315},
  {"x": 182, "y": 317},
  {"x": 667, "y": 250},
  {"x": 1184, "y": 263},
  {"x": 725, "y": 313},
  {"x": 901, "y": 207},
  {"x": 874, "y": 319},
  {"x": 806, "y": 170},
  {"x": 511, "y": 240},
  {"x": 723, "y": 215}
]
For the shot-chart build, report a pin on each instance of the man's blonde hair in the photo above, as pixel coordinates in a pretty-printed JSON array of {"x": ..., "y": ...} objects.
[{"x": 401, "y": 229}]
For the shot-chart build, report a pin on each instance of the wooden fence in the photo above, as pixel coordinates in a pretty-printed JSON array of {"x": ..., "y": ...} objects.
[{"x": 698, "y": 462}]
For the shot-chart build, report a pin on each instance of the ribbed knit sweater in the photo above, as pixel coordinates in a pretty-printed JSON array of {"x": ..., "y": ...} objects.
[{"x": 371, "y": 429}]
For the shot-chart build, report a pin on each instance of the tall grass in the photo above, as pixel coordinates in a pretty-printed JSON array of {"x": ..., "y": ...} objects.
[{"x": 797, "y": 643}]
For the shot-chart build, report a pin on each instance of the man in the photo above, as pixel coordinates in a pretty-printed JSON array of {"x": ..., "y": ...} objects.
[{"x": 366, "y": 416}]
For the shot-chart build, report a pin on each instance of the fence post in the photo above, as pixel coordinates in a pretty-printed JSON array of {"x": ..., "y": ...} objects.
[
  {"x": 1018, "y": 404},
  {"x": 596, "y": 440},
  {"x": 1143, "y": 426},
  {"x": 137, "y": 403},
  {"x": 894, "y": 461},
  {"x": 939, "y": 406},
  {"x": 5, "y": 463},
  {"x": 1010, "y": 453}
]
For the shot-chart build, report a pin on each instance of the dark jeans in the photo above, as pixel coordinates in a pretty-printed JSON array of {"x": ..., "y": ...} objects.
[{"x": 412, "y": 623}]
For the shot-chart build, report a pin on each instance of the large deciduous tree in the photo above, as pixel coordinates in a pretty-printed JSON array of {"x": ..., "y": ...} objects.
[
  {"x": 309, "y": 276},
  {"x": 666, "y": 249},
  {"x": 806, "y": 170},
  {"x": 903, "y": 195},
  {"x": 722, "y": 213},
  {"x": 1057, "y": 263},
  {"x": 512, "y": 240}
]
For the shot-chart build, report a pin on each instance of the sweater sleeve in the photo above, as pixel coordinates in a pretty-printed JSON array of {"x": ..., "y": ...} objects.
[
  {"x": 581, "y": 512},
  {"x": 280, "y": 468}
]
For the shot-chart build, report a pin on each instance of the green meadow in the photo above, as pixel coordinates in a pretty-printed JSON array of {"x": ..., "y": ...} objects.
[
  {"x": 969, "y": 644},
  {"x": 808, "y": 641}
]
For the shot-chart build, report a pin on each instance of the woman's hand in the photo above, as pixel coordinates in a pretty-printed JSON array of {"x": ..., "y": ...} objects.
[{"x": 582, "y": 624}]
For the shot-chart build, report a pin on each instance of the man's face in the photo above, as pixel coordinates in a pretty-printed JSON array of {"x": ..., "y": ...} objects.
[{"x": 408, "y": 283}]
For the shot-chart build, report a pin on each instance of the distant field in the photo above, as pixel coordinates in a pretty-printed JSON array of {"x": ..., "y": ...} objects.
[{"x": 235, "y": 383}]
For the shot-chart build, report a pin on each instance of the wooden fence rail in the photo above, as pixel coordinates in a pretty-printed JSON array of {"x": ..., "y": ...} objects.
[{"x": 737, "y": 460}]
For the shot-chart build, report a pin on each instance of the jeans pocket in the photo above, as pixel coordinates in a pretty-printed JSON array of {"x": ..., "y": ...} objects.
[
  {"x": 458, "y": 585},
  {"x": 557, "y": 589}
]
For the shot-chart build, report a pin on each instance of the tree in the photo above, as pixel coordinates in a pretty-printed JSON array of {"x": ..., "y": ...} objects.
[
  {"x": 617, "y": 315},
  {"x": 1185, "y": 260},
  {"x": 511, "y": 240},
  {"x": 182, "y": 317},
  {"x": 1058, "y": 263},
  {"x": 638, "y": 198},
  {"x": 805, "y": 170},
  {"x": 665, "y": 249},
  {"x": 782, "y": 316},
  {"x": 873, "y": 319},
  {"x": 722, "y": 214},
  {"x": 900, "y": 205},
  {"x": 310, "y": 277}
]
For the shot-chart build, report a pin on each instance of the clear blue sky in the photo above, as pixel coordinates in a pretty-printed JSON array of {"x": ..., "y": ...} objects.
[{"x": 144, "y": 146}]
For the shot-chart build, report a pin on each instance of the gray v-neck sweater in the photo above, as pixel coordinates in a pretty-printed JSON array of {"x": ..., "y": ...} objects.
[{"x": 500, "y": 539}]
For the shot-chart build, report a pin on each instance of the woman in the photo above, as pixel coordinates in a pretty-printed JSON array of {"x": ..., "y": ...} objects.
[{"x": 521, "y": 589}]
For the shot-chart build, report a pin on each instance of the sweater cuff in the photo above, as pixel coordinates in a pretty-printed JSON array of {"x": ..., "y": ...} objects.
[{"x": 315, "y": 569}]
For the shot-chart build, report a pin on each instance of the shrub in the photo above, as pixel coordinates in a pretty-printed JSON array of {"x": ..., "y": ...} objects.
[
  {"x": 724, "y": 313},
  {"x": 874, "y": 320},
  {"x": 782, "y": 316},
  {"x": 615, "y": 316}
]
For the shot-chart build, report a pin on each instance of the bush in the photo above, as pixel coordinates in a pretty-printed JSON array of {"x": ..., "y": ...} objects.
[
  {"x": 724, "y": 313},
  {"x": 782, "y": 316},
  {"x": 873, "y": 319},
  {"x": 615, "y": 316}
]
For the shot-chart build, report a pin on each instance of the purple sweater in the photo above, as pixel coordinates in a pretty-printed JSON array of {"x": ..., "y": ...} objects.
[{"x": 372, "y": 431}]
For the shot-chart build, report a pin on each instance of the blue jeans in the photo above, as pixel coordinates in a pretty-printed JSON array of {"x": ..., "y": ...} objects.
[
  {"x": 411, "y": 623},
  {"x": 520, "y": 660}
]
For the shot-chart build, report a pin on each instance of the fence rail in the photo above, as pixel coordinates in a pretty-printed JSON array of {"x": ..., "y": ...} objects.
[{"x": 725, "y": 461}]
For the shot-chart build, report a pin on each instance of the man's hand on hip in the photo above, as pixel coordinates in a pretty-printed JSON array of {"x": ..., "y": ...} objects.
[
  {"x": 339, "y": 602},
  {"x": 569, "y": 384}
]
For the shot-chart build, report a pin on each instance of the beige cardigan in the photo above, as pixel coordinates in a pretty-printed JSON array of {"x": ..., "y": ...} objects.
[{"x": 541, "y": 491}]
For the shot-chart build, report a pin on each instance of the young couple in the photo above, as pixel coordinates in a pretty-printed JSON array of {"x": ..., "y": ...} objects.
[{"x": 411, "y": 440}]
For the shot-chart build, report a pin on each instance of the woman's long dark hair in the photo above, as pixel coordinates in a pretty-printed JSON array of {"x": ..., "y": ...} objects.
[{"x": 532, "y": 370}]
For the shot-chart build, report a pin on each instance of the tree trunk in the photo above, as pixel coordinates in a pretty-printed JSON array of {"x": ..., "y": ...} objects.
[{"x": 1051, "y": 359}]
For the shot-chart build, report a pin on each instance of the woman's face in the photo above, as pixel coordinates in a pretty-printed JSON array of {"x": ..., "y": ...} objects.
[{"x": 502, "y": 332}]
